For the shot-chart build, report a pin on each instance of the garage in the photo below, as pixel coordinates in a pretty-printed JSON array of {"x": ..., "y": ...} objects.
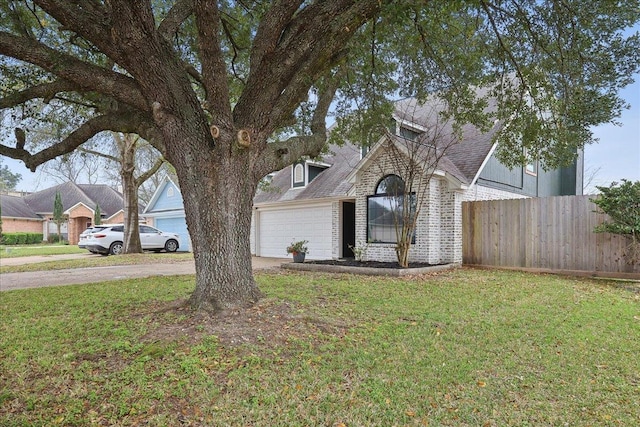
[
  {"x": 177, "y": 225},
  {"x": 275, "y": 229}
]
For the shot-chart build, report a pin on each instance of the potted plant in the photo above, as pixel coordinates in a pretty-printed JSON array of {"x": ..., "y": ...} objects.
[{"x": 298, "y": 249}]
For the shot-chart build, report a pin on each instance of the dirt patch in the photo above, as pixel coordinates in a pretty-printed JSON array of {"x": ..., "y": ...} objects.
[
  {"x": 350, "y": 262},
  {"x": 269, "y": 323}
]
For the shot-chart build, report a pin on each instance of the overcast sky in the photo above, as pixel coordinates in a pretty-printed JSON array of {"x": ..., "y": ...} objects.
[{"x": 614, "y": 157}]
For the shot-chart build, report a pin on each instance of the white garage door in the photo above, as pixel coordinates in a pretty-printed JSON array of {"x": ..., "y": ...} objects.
[{"x": 277, "y": 229}]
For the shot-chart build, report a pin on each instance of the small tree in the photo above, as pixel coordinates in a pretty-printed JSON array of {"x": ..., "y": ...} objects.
[
  {"x": 622, "y": 203},
  {"x": 414, "y": 159},
  {"x": 97, "y": 216},
  {"x": 58, "y": 215}
]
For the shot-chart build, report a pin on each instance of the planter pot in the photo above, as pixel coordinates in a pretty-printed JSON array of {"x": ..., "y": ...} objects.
[{"x": 298, "y": 256}]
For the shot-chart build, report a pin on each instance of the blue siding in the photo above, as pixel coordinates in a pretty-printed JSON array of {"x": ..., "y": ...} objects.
[
  {"x": 170, "y": 198},
  {"x": 559, "y": 182},
  {"x": 176, "y": 225}
]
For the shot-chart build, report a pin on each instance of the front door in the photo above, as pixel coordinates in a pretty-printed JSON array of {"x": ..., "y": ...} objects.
[{"x": 348, "y": 228}]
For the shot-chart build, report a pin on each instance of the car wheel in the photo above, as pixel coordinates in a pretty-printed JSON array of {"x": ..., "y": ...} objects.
[
  {"x": 115, "y": 248},
  {"x": 171, "y": 245}
]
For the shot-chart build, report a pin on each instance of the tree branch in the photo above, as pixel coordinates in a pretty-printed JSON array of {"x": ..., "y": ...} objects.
[
  {"x": 120, "y": 122},
  {"x": 99, "y": 154},
  {"x": 271, "y": 27},
  {"x": 86, "y": 76},
  {"x": 87, "y": 18},
  {"x": 45, "y": 91},
  {"x": 178, "y": 13},
  {"x": 148, "y": 174},
  {"x": 311, "y": 45},
  {"x": 278, "y": 155},
  {"x": 214, "y": 70}
]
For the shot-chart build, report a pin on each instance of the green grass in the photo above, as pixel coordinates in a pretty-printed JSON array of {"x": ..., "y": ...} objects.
[
  {"x": 100, "y": 261},
  {"x": 462, "y": 348},
  {"x": 40, "y": 249}
]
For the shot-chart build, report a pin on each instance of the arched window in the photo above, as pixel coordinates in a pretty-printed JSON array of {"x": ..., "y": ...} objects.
[
  {"x": 390, "y": 185},
  {"x": 386, "y": 210},
  {"x": 298, "y": 173},
  {"x": 170, "y": 191}
]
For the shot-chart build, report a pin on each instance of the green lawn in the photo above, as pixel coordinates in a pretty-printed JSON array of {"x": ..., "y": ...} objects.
[
  {"x": 39, "y": 249},
  {"x": 100, "y": 261},
  {"x": 462, "y": 348}
]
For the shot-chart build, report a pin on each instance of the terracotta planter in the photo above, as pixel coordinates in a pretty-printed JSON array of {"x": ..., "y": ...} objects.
[{"x": 298, "y": 256}]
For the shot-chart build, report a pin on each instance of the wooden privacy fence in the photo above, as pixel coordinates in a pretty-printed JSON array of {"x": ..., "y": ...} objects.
[{"x": 552, "y": 233}]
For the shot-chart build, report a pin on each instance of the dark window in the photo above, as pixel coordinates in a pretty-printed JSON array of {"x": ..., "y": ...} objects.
[
  {"x": 146, "y": 229},
  {"x": 409, "y": 133},
  {"x": 385, "y": 210},
  {"x": 314, "y": 171},
  {"x": 118, "y": 228}
]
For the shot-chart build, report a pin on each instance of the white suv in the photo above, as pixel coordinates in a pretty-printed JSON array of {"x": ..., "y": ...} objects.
[{"x": 110, "y": 239}]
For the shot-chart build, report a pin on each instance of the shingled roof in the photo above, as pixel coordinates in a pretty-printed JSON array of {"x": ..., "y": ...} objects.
[
  {"x": 16, "y": 207},
  {"x": 329, "y": 183},
  {"x": 462, "y": 161},
  {"x": 40, "y": 203},
  {"x": 468, "y": 154}
]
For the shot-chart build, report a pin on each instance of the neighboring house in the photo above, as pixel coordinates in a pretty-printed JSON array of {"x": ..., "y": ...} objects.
[
  {"x": 337, "y": 203},
  {"x": 166, "y": 212},
  {"x": 34, "y": 212}
]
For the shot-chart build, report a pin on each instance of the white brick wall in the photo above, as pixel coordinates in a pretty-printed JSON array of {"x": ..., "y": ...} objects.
[
  {"x": 439, "y": 225},
  {"x": 336, "y": 229}
]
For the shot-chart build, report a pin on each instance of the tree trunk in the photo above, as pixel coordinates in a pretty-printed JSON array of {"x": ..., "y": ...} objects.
[
  {"x": 218, "y": 198},
  {"x": 131, "y": 242}
]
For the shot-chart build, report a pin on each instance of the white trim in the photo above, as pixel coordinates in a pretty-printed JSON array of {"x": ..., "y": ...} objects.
[
  {"x": 116, "y": 213},
  {"x": 317, "y": 163},
  {"x": 408, "y": 124},
  {"x": 158, "y": 192},
  {"x": 299, "y": 203},
  {"x": 299, "y": 167},
  {"x": 484, "y": 163},
  {"x": 177, "y": 213},
  {"x": 68, "y": 211}
]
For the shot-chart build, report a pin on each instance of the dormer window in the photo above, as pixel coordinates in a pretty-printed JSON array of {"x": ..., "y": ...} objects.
[
  {"x": 407, "y": 133},
  {"x": 305, "y": 172}
]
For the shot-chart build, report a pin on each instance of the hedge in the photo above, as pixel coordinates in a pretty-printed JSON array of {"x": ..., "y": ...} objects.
[{"x": 21, "y": 238}]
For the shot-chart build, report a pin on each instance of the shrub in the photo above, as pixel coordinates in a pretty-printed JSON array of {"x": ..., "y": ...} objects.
[
  {"x": 21, "y": 238},
  {"x": 622, "y": 203}
]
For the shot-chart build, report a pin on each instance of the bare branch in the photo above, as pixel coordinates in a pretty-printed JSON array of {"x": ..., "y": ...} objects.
[
  {"x": 121, "y": 122},
  {"x": 45, "y": 91},
  {"x": 148, "y": 174},
  {"x": 99, "y": 154}
]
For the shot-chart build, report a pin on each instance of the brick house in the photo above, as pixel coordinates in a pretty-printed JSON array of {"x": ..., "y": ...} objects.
[
  {"x": 328, "y": 201},
  {"x": 34, "y": 212}
]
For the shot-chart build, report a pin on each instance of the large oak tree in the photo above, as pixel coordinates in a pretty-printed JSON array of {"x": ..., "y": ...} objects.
[{"x": 229, "y": 91}]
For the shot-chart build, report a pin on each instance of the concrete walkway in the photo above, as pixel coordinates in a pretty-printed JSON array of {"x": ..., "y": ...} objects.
[{"x": 38, "y": 279}]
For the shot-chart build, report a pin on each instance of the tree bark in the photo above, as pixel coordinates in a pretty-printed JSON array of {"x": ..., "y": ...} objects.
[
  {"x": 131, "y": 244},
  {"x": 218, "y": 199}
]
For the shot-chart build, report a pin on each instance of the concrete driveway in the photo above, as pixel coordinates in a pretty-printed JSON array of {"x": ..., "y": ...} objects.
[{"x": 38, "y": 279}]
